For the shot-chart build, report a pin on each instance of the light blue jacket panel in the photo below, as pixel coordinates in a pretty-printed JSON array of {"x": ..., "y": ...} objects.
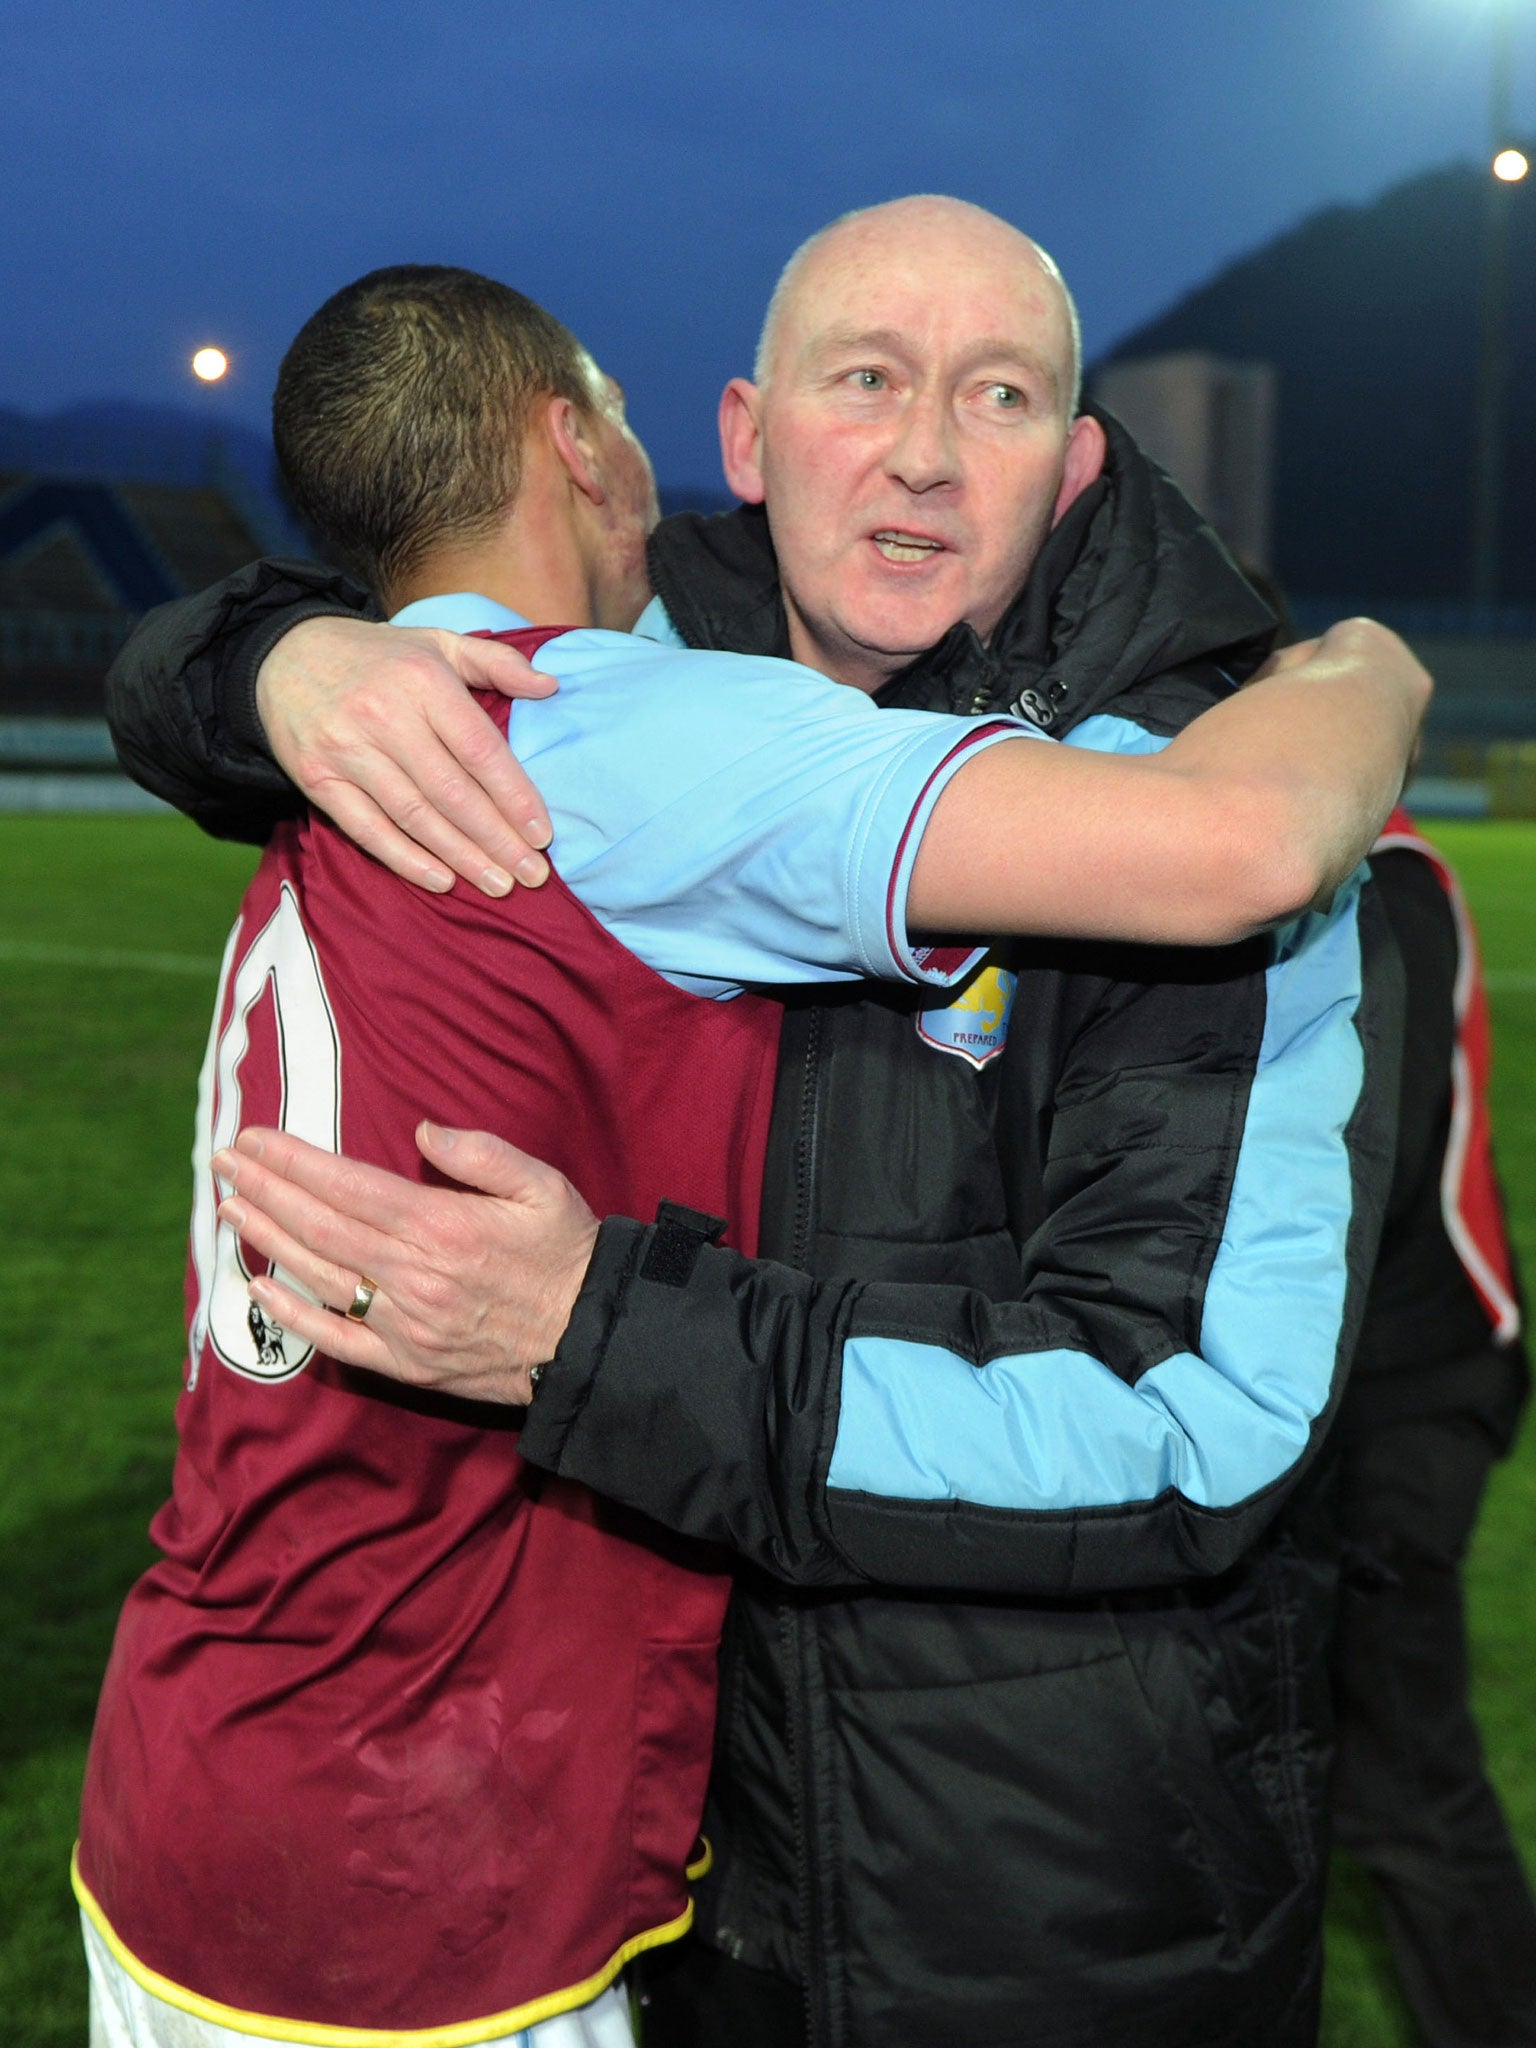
[{"x": 1060, "y": 1429}]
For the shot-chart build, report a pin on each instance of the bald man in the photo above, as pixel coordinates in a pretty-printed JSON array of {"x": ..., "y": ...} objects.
[
  {"x": 1070, "y": 1790},
  {"x": 875, "y": 395}
]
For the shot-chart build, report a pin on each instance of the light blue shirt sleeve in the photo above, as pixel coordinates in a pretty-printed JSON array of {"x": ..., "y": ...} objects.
[{"x": 734, "y": 821}]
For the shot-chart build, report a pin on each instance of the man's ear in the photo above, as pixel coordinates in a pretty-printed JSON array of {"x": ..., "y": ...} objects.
[
  {"x": 1086, "y": 450},
  {"x": 741, "y": 439},
  {"x": 570, "y": 435}
]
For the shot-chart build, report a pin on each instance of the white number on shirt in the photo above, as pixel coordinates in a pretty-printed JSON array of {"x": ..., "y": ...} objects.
[{"x": 309, "y": 1079}]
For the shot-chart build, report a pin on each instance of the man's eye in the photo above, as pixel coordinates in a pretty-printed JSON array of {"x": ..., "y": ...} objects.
[
  {"x": 1008, "y": 396},
  {"x": 867, "y": 380}
]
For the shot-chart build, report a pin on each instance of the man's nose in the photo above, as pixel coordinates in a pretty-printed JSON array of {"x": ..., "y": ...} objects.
[{"x": 923, "y": 454}]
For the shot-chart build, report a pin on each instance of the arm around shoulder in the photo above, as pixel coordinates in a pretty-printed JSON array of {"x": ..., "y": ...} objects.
[
  {"x": 181, "y": 695},
  {"x": 1256, "y": 812},
  {"x": 1308, "y": 762}
]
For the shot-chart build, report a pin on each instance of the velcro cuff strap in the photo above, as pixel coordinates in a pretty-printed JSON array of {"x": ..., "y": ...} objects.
[{"x": 680, "y": 1235}]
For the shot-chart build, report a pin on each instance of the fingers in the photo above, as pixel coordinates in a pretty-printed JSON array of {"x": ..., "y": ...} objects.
[
  {"x": 338, "y": 1336},
  {"x": 334, "y": 1285},
  {"x": 461, "y": 1305},
  {"x": 476, "y": 1159},
  {"x": 406, "y": 818},
  {"x": 493, "y": 665},
  {"x": 356, "y": 813},
  {"x": 321, "y": 1321},
  {"x": 1297, "y": 655},
  {"x": 344, "y": 1211},
  {"x": 466, "y": 770},
  {"x": 375, "y": 726},
  {"x": 383, "y": 1351},
  {"x": 474, "y": 780}
]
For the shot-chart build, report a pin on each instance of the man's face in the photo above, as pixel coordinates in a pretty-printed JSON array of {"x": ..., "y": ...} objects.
[
  {"x": 630, "y": 511},
  {"x": 913, "y": 443}
]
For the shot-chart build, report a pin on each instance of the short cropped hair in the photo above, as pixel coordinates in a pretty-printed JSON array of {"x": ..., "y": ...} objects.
[{"x": 401, "y": 410}]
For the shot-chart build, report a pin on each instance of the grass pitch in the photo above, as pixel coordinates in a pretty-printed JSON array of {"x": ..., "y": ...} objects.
[{"x": 110, "y": 933}]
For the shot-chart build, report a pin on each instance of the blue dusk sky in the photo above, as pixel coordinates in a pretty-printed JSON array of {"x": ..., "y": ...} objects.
[{"x": 174, "y": 174}]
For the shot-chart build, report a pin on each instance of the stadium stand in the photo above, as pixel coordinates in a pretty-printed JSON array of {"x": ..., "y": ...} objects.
[{"x": 80, "y": 559}]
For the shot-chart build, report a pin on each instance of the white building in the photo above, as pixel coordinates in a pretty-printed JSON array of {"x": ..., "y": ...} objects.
[{"x": 1210, "y": 422}]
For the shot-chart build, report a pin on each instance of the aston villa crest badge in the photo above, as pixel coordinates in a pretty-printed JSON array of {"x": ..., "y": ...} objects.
[{"x": 975, "y": 1025}]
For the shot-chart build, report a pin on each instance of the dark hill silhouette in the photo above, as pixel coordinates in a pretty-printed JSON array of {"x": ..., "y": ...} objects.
[
  {"x": 1372, "y": 316},
  {"x": 118, "y": 437}
]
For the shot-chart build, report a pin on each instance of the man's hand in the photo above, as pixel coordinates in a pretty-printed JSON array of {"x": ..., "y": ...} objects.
[
  {"x": 1297, "y": 655},
  {"x": 373, "y": 724},
  {"x": 473, "y": 1289},
  {"x": 1302, "y": 653}
]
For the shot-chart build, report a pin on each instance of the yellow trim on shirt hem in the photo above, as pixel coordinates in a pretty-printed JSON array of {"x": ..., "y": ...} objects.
[
  {"x": 462, "y": 2034},
  {"x": 703, "y": 1863}
]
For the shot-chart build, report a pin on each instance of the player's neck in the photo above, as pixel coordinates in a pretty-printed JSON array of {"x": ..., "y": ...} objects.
[{"x": 546, "y": 583}]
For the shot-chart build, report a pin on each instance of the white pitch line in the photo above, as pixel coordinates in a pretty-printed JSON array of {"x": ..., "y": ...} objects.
[{"x": 24, "y": 953}]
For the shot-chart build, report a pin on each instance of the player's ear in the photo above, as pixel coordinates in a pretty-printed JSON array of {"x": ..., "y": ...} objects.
[
  {"x": 741, "y": 439},
  {"x": 1086, "y": 452},
  {"x": 571, "y": 436}
]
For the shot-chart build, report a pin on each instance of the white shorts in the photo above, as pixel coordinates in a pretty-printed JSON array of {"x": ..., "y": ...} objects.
[{"x": 125, "y": 2015}]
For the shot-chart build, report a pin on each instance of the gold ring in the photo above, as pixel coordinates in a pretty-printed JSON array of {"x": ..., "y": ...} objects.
[{"x": 362, "y": 1298}]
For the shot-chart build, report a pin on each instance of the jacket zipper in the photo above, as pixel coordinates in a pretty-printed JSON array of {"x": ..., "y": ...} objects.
[
  {"x": 793, "y": 1621},
  {"x": 805, "y": 1143}
]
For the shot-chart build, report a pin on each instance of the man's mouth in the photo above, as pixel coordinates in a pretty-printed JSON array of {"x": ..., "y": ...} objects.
[{"x": 897, "y": 546}]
